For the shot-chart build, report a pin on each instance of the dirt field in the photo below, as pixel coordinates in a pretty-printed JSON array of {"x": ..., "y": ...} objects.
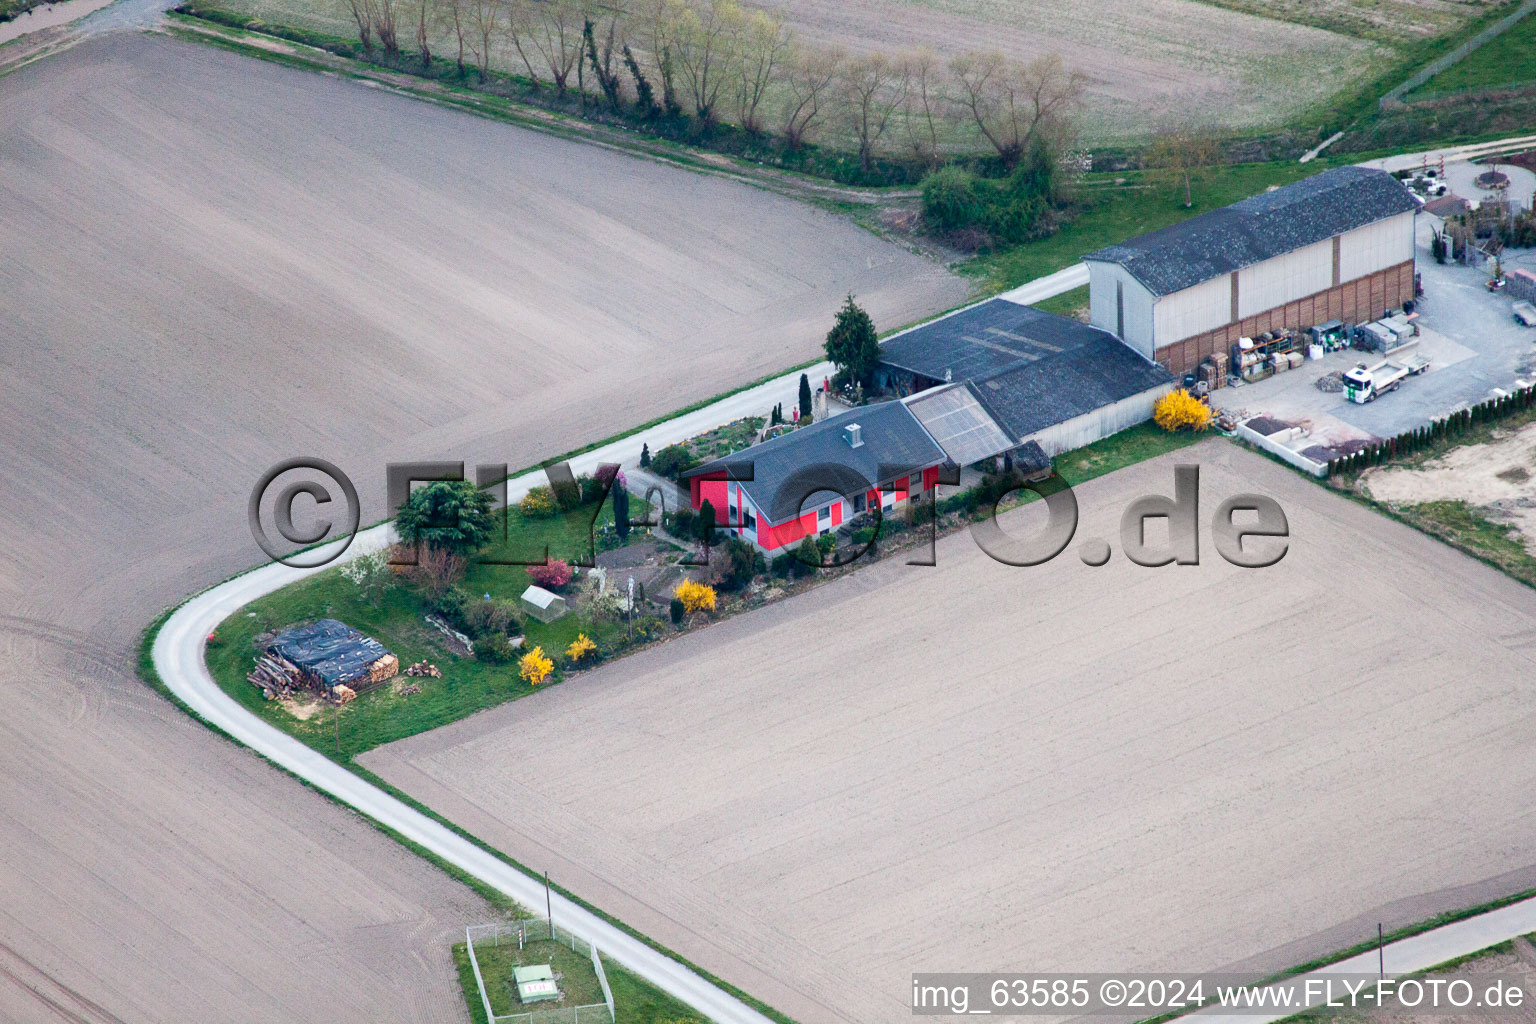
[
  {"x": 212, "y": 263},
  {"x": 1498, "y": 477},
  {"x": 978, "y": 767}
]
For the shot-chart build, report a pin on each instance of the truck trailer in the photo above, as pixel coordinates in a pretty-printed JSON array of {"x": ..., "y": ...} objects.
[{"x": 1365, "y": 383}]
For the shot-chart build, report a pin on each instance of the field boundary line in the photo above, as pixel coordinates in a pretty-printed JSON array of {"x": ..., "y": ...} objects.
[{"x": 1460, "y": 53}]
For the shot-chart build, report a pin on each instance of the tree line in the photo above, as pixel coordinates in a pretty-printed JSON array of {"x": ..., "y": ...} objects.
[{"x": 714, "y": 62}]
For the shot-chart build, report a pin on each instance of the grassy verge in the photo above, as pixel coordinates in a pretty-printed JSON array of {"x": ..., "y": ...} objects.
[
  {"x": 1507, "y": 59},
  {"x": 1111, "y": 207}
]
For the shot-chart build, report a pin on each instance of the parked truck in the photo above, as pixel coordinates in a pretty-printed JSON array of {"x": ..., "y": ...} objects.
[
  {"x": 1365, "y": 383},
  {"x": 1525, "y": 312}
]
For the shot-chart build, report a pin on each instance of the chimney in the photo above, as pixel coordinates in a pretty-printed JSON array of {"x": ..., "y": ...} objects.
[{"x": 851, "y": 435}]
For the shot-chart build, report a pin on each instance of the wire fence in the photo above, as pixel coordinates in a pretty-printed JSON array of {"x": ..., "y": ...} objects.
[
  {"x": 518, "y": 934},
  {"x": 1439, "y": 64}
]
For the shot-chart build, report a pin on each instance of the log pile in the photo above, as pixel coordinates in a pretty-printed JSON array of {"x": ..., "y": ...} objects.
[
  {"x": 424, "y": 668},
  {"x": 273, "y": 675},
  {"x": 411, "y": 690}
]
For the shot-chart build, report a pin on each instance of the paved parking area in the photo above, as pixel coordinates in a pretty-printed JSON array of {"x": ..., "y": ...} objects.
[{"x": 1469, "y": 335}]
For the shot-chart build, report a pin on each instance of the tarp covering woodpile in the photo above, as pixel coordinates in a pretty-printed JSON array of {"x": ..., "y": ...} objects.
[{"x": 329, "y": 654}]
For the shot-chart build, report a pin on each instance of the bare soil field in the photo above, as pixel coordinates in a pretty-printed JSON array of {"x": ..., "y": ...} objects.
[
  {"x": 210, "y": 264},
  {"x": 977, "y": 767},
  {"x": 1498, "y": 478}
]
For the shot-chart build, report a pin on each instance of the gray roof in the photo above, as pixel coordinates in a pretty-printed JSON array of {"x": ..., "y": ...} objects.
[
  {"x": 954, "y": 416},
  {"x": 1259, "y": 228},
  {"x": 1030, "y": 369},
  {"x": 788, "y": 469},
  {"x": 331, "y": 651}
]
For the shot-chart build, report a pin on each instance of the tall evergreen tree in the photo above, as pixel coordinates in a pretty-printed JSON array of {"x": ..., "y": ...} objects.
[
  {"x": 645, "y": 456},
  {"x": 853, "y": 345},
  {"x": 805, "y": 395}
]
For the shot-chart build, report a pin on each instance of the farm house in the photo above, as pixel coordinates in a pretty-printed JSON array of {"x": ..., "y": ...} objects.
[
  {"x": 1336, "y": 246},
  {"x": 812, "y": 480}
]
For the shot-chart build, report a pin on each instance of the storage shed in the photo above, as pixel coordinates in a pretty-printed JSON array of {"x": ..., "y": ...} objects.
[{"x": 543, "y": 605}]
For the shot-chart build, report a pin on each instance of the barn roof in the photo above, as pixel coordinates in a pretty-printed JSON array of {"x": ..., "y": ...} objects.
[
  {"x": 1028, "y": 368},
  {"x": 1259, "y": 228},
  {"x": 331, "y": 651},
  {"x": 954, "y": 416},
  {"x": 781, "y": 473}
]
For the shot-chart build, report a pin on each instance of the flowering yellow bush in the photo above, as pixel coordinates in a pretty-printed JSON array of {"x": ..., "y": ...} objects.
[
  {"x": 580, "y": 647},
  {"x": 538, "y": 503},
  {"x": 1179, "y": 410},
  {"x": 534, "y": 667},
  {"x": 695, "y": 596}
]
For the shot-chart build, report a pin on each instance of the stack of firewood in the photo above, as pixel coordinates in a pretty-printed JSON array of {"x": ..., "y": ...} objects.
[
  {"x": 271, "y": 676},
  {"x": 424, "y": 668}
]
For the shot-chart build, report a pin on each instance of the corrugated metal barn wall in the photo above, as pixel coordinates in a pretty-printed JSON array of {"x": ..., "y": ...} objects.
[
  {"x": 1115, "y": 296},
  {"x": 1374, "y": 247},
  {"x": 1100, "y": 423}
]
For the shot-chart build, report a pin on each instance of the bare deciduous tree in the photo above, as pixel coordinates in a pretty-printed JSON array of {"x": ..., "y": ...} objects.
[
  {"x": 1181, "y": 150},
  {"x": 809, "y": 83},
  {"x": 421, "y": 14},
  {"x": 452, "y": 16},
  {"x": 706, "y": 39},
  {"x": 765, "y": 47},
  {"x": 1012, "y": 104},
  {"x": 603, "y": 35},
  {"x": 872, "y": 89},
  {"x": 922, "y": 74},
  {"x": 483, "y": 19},
  {"x": 363, "y": 13},
  {"x": 553, "y": 29},
  {"x": 384, "y": 25}
]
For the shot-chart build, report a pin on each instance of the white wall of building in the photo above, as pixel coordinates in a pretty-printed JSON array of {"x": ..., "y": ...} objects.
[
  {"x": 1285, "y": 278},
  {"x": 1100, "y": 423},
  {"x": 1377, "y": 246},
  {"x": 1102, "y": 312},
  {"x": 1204, "y": 307}
]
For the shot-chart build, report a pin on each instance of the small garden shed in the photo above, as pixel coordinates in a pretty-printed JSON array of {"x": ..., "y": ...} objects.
[{"x": 543, "y": 605}]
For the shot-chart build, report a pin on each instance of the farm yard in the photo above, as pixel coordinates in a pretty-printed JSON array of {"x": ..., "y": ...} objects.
[
  {"x": 1062, "y": 767},
  {"x": 212, "y": 264}
]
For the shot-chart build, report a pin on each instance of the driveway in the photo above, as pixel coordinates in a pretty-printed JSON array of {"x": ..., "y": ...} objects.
[{"x": 1472, "y": 340}]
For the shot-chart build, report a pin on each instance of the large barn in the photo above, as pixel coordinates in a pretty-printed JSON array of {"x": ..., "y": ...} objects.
[{"x": 1336, "y": 246}]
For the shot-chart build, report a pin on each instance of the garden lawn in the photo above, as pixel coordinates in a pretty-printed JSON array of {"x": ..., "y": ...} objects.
[{"x": 384, "y": 714}]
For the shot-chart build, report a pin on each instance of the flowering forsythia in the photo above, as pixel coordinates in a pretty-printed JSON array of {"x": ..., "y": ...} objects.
[
  {"x": 695, "y": 596},
  {"x": 1179, "y": 410},
  {"x": 534, "y": 667},
  {"x": 580, "y": 647}
]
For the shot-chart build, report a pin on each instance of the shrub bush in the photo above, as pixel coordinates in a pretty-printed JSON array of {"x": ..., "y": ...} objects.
[
  {"x": 807, "y": 557},
  {"x": 1179, "y": 410},
  {"x": 734, "y": 563},
  {"x": 672, "y": 460},
  {"x": 677, "y": 611},
  {"x": 539, "y": 503},
  {"x": 552, "y": 575},
  {"x": 494, "y": 649},
  {"x": 534, "y": 667},
  {"x": 580, "y": 648},
  {"x": 649, "y": 628},
  {"x": 484, "y": 618},
  {"x": 695, "y": 596},
  {"x": 952, "y": 199}
]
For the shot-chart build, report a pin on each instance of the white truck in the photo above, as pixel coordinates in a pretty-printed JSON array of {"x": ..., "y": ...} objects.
[
  {"x": 1525, "y": 313},
  {"x": 1365, "y": 383}
]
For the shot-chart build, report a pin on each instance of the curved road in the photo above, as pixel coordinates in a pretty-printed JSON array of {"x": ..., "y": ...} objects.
[{"x": 178, "y": 657}]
